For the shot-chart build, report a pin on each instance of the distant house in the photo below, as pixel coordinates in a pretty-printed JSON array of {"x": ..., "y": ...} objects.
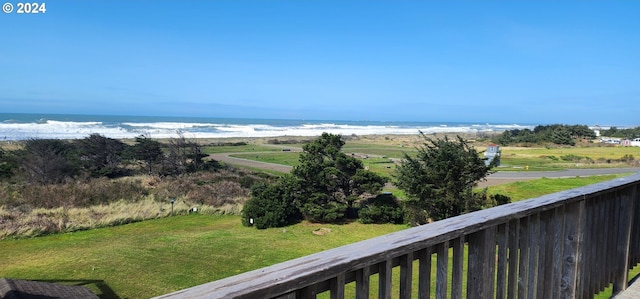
[
  {"x": 27, "y": 289},
  {"x": 596, "y": 130},
  {"x": 492, "y": 152}
]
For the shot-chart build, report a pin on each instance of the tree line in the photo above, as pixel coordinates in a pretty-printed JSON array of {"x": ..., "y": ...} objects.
[
  {"x": 556, "y": 134},
  {"x": 629, "y": 133},
  {"x": 49, "y": 161},
  {"x": 331, "y": 186}
]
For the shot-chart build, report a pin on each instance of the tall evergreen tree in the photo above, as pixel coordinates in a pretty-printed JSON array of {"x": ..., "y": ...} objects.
[
  {"x": 331, "y": 180},
  {"x": 439, "y": 180}
]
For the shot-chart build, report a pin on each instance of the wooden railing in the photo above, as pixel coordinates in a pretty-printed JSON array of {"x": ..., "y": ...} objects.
[{"x": 570, "y": 244}]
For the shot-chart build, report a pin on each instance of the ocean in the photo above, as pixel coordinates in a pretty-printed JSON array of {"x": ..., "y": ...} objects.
[{"x": 15, "y": 126}]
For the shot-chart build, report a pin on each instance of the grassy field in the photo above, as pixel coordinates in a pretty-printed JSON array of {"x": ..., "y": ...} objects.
[
  {"x": 284, "y": 158},
  {"x": 376, "y": 156},
  {"x": 517, "y": 158},
  {"x": 154, "y": 257},
  {"x": 538, "y": 187},
  {"x": 239, "y": 149}
]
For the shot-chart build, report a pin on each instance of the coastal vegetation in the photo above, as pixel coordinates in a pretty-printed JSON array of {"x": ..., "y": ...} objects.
[
  {"x": 323, "y": 187},
  {"x": 555, "y": 134},
  {"x": 49, "y": 185},
  {"x": 629, "y": 133},
  {"x": 439, "y": 181},
  {"x": 194, "y": 246},
  {"x": 98, "y": 181},
  {"x": 173, "y": 253}
]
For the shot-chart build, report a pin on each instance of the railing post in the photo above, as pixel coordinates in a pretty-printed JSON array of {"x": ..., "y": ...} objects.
[
  {"x": 406, "y": 275},
  {"x": 424, "y": 274},
  {"x": 624, "y": 240},
  {"x": 441, "y": 270},
  {"x": 482, "y": 259},
  {"x": 384, "y": 282},
  {"x": 362, "y": 283},
  {"x": 337, "y": 287},
  {"x": 573, "y": 233}
]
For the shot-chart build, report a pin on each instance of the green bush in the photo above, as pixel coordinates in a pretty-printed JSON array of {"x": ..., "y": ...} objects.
[
  {"x": 500, "y": 199},
  {"x": 381, "y": 209},
  {"x": 270, "y": 206},
  {"x": 322, "y": 210}
]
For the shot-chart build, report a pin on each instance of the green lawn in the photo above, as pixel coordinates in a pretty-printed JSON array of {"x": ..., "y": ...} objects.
[
  {"x": 284, "y": 158},
  {"x": 538, "y": 187},
  {"x": 155, "y": 257},
  {"x": 239, "y": 149}
]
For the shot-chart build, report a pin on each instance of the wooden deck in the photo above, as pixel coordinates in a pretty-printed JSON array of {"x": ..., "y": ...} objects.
[
  {"x": 570, "y": 244},
  {"x": 632, "y": 292}
]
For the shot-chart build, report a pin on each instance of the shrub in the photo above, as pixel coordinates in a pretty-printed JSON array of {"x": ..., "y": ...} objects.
[
  {"x": 270, "y": 206},
  {"x": 500, "y": 199},
  {"x": 381, "y": 209}
]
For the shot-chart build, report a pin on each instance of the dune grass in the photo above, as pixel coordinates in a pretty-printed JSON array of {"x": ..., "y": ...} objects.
[{"x": 16, "y": 223}]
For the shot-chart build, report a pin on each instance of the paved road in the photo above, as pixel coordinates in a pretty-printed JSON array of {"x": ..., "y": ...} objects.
[
  {"x": 560, "y": 174},
  {"x": 503, "y": 177},
  {"x": 500, "y": 177}
]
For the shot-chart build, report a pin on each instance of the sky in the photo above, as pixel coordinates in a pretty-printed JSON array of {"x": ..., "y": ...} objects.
[{"x": 535, "y": 62}]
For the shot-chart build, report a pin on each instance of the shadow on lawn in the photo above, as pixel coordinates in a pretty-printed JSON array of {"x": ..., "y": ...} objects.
[{"x": 105, "y": 290}]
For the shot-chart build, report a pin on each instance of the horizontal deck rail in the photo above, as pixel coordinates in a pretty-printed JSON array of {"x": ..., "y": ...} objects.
[{"x": 570, "y": 244}]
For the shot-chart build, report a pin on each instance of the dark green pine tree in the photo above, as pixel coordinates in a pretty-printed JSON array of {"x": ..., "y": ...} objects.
[{"x": 439, "y": 180}]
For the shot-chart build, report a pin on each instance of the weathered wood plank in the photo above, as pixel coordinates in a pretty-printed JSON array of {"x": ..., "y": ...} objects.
[
  {"x": 534, "y": 249},
  {"x": 558, "y": 250},
  {"x": 457, "y": 268},
  {"x": 490, "y": 255},
  {"x": 337, "y": 287},
  {"x": 501, "y": 280},
  {"x": 384, "y": 282},
  {"x": 442, "y": 252},
  {"x": 523, "y": 264},
  {"x": 481, "y": 268},
  {"x": 363, "y": 277},
  {"x": 424, "y": 273},
  {"x": 595, "y": 250},
  {"x": 614, "y": 220},
  {"x": 574, "y": 224},
  {"x": 545, "y": 254},
  {"x": 514, "y": 237},
  {"x": 624, "y": 240},
  {"x": 634, "y": 252},
  {"x": 545, "y": 285},
  {"x": 406, "y": 275}
]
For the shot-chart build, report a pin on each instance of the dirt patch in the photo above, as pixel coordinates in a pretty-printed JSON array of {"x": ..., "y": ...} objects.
[{"x": 321, "y": 231}]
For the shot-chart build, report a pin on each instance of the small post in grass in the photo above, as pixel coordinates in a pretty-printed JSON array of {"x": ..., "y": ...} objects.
[{"x": 172, "y": 201}]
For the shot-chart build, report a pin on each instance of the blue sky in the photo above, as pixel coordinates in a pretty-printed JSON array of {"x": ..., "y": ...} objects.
[{"x": 573, "y": 62}]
